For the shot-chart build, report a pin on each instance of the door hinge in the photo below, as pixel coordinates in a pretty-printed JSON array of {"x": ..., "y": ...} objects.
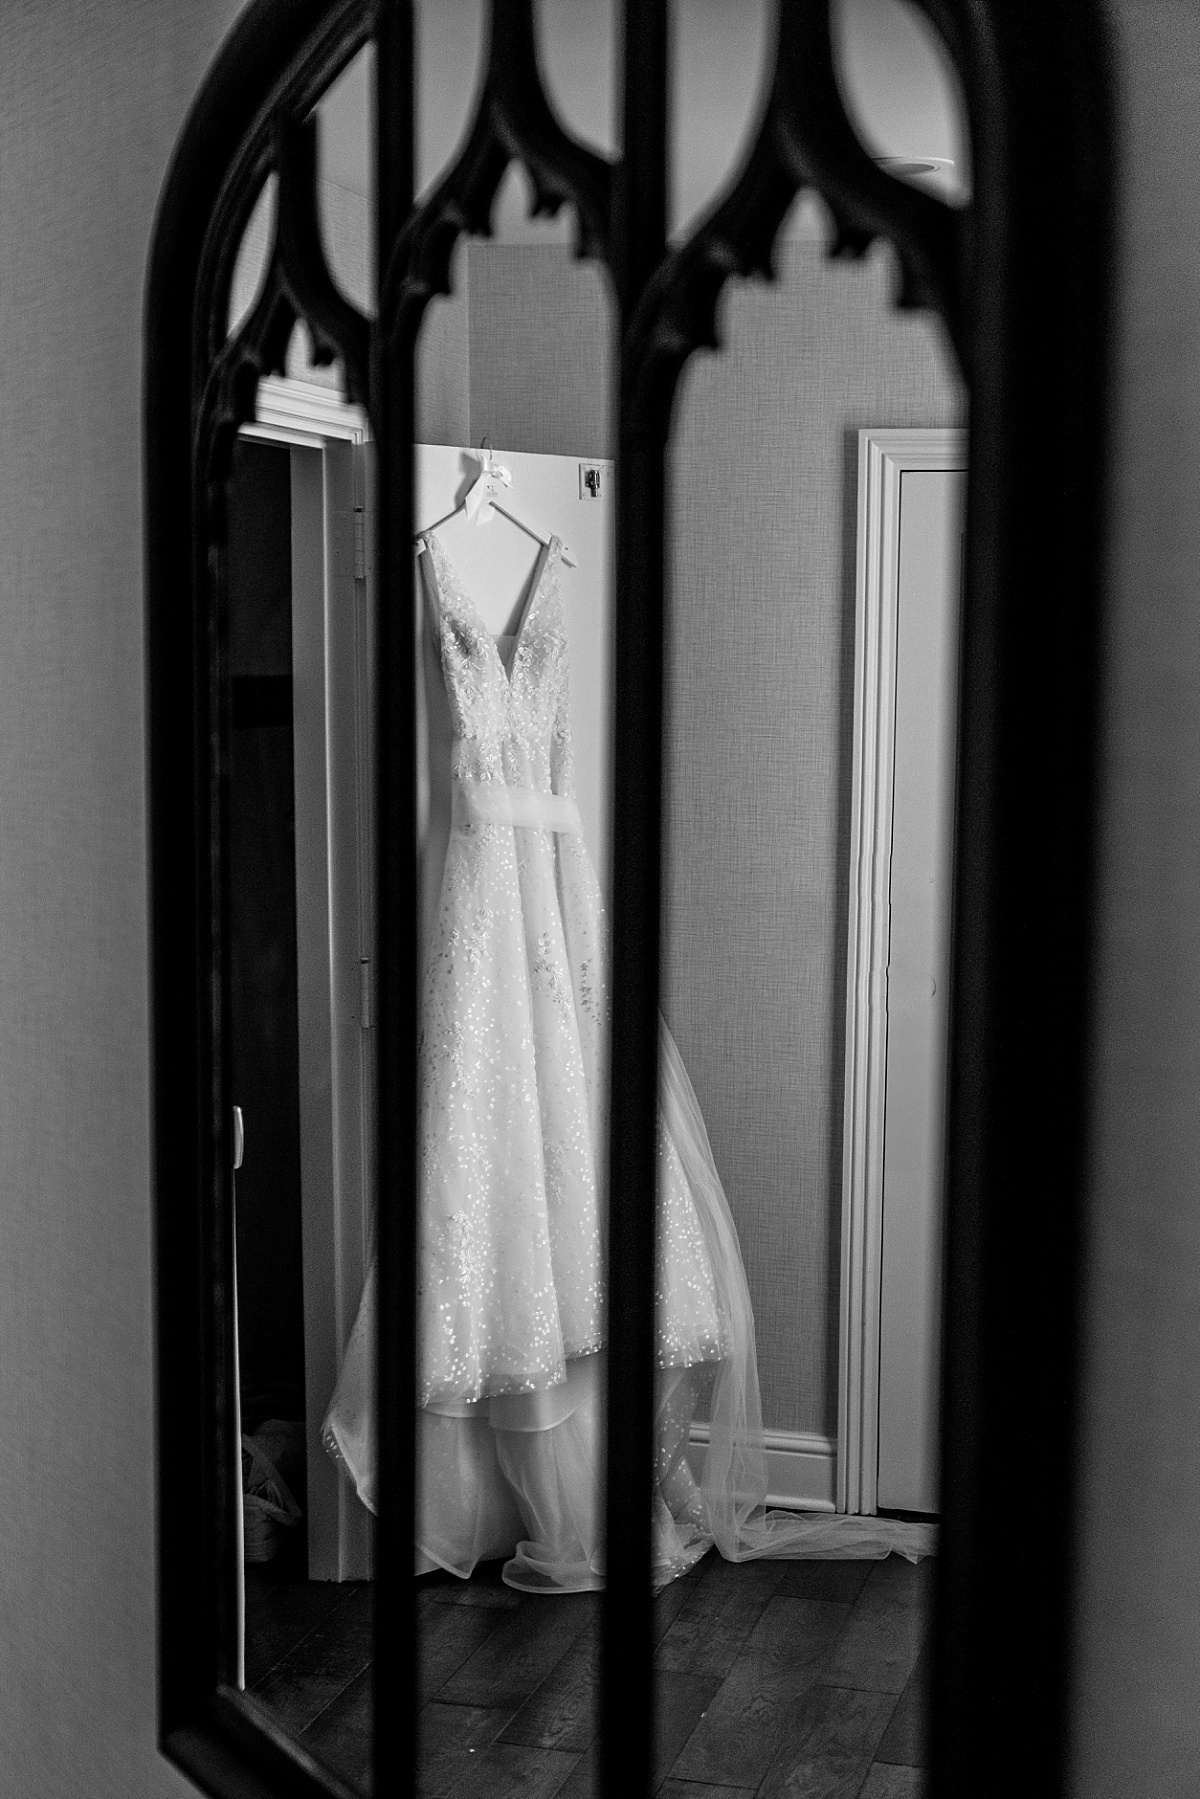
[
  {"x": 364, "y": 994},
  {"x": 360, "y": 544}
]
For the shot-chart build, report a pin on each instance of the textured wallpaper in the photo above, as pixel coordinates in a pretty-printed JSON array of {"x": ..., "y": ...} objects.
[
  {"x": 541, "y": 337},
  {"x": 762, "y": 569},
  {"x": 444, "y": 369},
  {"x": 92, "y": 98},
  {"x": 1135, "y": 1733}
]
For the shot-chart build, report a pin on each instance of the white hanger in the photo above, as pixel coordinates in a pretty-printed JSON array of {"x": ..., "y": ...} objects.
[{"x": 480, "y": 503}]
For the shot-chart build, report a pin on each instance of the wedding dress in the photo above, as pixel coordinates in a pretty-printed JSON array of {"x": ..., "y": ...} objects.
[{"x": 511, "y": 1153}]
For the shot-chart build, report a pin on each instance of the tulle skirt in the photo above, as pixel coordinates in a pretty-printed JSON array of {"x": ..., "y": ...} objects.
[{"x": 522, "y": 1476}]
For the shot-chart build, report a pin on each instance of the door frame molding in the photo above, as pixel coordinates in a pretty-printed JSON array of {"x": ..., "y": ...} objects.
[
  {"x": 289, "y": 410},
  {"x": 883, "y": 458},
  {"x": 335, "y": 1068}
]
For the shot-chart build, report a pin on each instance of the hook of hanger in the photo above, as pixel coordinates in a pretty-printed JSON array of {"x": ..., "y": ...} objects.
[
  {"x": 490, "y": 479},
  {"x": 487, "y": 462}
]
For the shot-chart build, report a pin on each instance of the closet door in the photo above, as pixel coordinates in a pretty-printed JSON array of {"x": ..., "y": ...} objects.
[
  {"x": 928, "y": 603},
  {"x": 331, "y": 655}
]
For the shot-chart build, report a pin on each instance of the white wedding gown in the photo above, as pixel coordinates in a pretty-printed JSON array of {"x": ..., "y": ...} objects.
[{"x": 511, "y": 1149}]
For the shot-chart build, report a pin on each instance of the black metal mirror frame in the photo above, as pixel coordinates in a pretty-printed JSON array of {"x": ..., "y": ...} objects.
[{"x": 1020, "y": 280}]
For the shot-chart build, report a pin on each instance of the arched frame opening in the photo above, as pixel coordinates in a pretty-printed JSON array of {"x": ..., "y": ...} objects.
[{"x": 1019, "y": 279}]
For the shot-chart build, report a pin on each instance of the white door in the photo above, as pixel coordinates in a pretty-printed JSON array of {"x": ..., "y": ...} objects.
[
  {"x": 918, "y": 969},
  {"x": 911, "y": 491}
]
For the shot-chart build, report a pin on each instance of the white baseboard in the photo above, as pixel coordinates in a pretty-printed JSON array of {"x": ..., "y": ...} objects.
[{"x": 801, "y": 1468}]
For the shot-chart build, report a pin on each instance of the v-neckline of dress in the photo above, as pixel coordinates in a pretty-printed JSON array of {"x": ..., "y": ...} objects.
[{"x": 536, "y": 583}]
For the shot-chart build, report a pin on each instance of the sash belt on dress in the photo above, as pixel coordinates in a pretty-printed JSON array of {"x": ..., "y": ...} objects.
[{"x": 492, "y": 803}]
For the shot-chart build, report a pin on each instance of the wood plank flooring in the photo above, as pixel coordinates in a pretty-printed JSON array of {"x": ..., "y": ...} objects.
[{"x": 776, "y": 1680}]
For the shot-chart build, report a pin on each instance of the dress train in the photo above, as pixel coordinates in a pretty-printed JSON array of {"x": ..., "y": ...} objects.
[{"x": 519, "y": 1476}]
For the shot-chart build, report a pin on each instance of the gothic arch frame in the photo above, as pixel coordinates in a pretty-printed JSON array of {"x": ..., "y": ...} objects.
[{"x": 1020, "y": 280}]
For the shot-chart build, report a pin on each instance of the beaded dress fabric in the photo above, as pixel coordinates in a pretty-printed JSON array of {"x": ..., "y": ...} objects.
[
  {"x": 511, "y": 1151},
  {"x": 511, "y": 1055}
]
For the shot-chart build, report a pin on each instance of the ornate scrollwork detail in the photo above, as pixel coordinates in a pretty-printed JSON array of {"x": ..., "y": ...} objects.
[
  {"x": 341, "y": 31},
  {"x": 297, "y": 287},
  {"x": 804, "y": 141},
  {"x": 513, "y": 122}
]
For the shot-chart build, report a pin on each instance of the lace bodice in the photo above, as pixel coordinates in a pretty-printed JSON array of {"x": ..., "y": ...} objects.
[{"x": 510, "y": 725}]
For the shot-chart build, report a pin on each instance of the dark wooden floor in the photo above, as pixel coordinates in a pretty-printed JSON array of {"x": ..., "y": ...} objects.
[{"x": 781, "y": 1680}]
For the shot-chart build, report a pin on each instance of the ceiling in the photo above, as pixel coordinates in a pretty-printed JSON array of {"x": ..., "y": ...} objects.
[{"x": 899, "y": 90}]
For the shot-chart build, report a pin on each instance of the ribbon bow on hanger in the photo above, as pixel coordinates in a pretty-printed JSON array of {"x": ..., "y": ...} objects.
[
  {"x": 480, "y": 499},
  {"x": 490, "y": 479}
]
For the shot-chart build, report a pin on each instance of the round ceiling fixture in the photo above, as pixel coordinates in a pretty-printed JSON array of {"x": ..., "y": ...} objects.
[{"x": 916, "y": 165}]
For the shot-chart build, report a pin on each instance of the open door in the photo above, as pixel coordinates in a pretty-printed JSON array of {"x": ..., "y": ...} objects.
[
  {"x": 331, "y": 616},
  {"x": 328, "y": 478}
]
